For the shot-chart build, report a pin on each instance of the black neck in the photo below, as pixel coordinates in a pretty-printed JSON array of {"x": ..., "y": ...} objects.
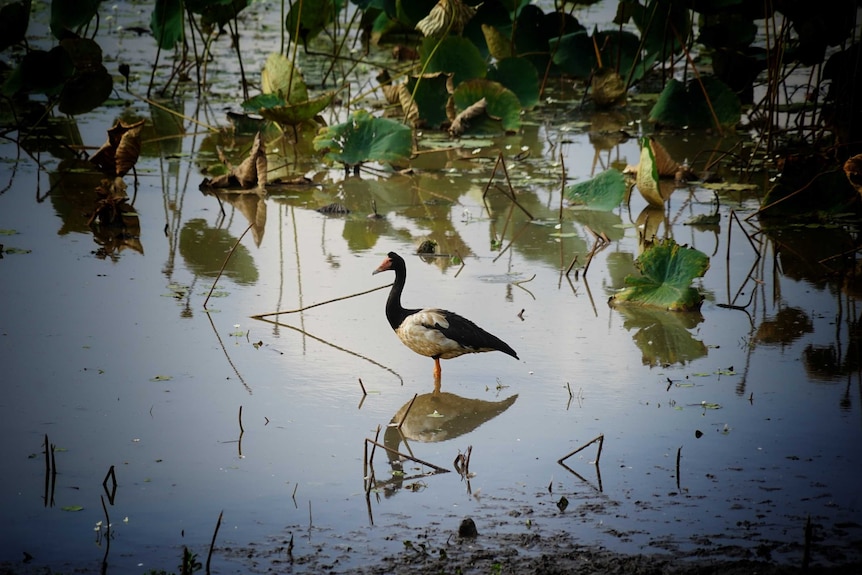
[{"x": 394, "y": 312}]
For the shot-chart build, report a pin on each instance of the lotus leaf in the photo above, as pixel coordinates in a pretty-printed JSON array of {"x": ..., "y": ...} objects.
[
  {"x": 691, "y": 105},
  {"x": 603, "y": 192},
  {"x": 501, "y": 104},
  {"x": 667, "y": 272},
  {"x": 520, "y": 76},
  {"x": 455, "y": 55},
  {"x": 166, "y": 22},
  {"x": 365, "y": 138}
]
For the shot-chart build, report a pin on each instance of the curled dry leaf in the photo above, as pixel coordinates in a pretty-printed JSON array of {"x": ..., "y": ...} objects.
[
  {"x": 462, "y": 120},
  {"x": 853, "y": 170},
  {"x": 120, "y": 153},
  {"x": 447, "y": 15},
  {"x": 608, "y": 88},
  {"x": 250, "y": 173}
]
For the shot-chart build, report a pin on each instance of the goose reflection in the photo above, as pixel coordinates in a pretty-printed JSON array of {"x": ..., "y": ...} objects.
[{"x": 432, "y": 417}]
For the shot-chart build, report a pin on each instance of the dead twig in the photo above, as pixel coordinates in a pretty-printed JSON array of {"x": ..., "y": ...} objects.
[
  {"x": 212, "y": 543},
  {"x": 224, "y": 264},
  {"x": 436, "y": 468},
  {"x": 600, "y": 439},
  {"x": 301, "y": 309}
]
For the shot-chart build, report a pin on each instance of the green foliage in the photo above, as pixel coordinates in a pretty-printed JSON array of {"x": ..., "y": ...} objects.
[
  {"x": 603, "y": 192},
  {"x": 692, "y": 105},
  {"x": 309, "y": 18},
  {"x": 166, "y": 23},
  {"x": 285, "y": 96},
  {"x": 502, "y": 104},
  {"x": 667, "y": 272},
  {"x": 454, "y": 55},
  {"x": 71, "y": 15},
  {"x": 519, "y": 76},
  {"x": 430, "y": 96},
  {"x": 365, "y": 138}
]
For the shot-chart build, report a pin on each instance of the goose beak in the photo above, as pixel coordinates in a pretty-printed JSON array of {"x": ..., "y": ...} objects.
[{"x": 386, "y": 265}]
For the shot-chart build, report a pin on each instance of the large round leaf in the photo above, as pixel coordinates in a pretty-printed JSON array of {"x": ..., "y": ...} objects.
[
  {"x": 454, "y": 55},
  {"x": 86, "y": 91},
  {"x": 501, "y": 103},
  {"x": 520, "y": 76},
  {"x": 603, "y": 193},
  {"x": 365, "y": 138},
  {"x": 685, "y": 105},
  {"x": 667, "y": 272}
]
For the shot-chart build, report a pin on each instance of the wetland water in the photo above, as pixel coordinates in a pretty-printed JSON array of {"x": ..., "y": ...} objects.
[{"x": 723, "y": 429}]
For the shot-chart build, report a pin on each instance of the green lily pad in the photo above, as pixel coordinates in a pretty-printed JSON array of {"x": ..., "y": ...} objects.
[
  {"x": 520, "y": 76},
  {"x": 72, "y": 508},
  {"x": 365, "y": 138},
  {"x": 603, "y": 192},
  {"x": 685, "y": 105},
  {"x": 454, "y": 55},
  {"x": 667, "y": 272},
  {"x": 502, "y": 105}
]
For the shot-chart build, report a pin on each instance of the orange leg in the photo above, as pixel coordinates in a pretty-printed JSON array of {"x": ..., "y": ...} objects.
[{"x": 437, "y": 370}]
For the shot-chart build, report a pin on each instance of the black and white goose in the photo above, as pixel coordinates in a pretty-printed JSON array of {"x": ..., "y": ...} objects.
[{"x": 432, "y": 332}]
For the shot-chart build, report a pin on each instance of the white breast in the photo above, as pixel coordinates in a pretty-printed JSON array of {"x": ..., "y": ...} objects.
[{"x": 418, "y": 332}]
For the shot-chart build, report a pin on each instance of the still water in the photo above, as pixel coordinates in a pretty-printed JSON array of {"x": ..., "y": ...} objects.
[{"x": 728, "y": 427}]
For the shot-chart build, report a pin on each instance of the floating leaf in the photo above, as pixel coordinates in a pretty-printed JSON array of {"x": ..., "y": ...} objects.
[
  {"x": 687, "y": 106},
  {"x": 161, "y": 378},
  {"x": 455, "y": 55},
  {"x": 647, "y": 176},
  {"x": 503, "y": 108},
  {"x": 667, "y": 272},
  {"x": 72, "y": 508},
  {"x": 365, "y": 138},
  {"x": 603, "y": 192}
]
